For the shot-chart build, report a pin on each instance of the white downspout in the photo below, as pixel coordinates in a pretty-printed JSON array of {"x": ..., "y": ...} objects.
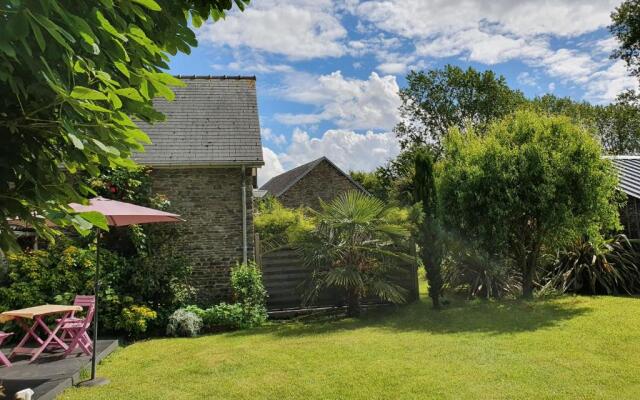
[{"x": 244, "y": 215}]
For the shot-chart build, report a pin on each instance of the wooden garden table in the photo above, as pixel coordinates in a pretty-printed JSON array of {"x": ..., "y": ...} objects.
[{"x": 37, "y": 315}]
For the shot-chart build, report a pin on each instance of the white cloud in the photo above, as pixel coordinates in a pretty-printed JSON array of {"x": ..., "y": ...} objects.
[
  {"x": 256, "y": 68},
  {"x": 605, "y": 85},
  {"x": 481, "y": 46},
  {"x": 503, "y": 30},
  {"x": 607, "y": 45},
  {"x": 392, "y": 68},
  {"x": 298, "y": 29},
  {"x": 348, "y": 149},
  {"x": 525, "y": 78},
  {"x": 569, "y": 64},
  {"x": 268, "y": 135},
  {"x": 426, "y": 18},
  {"x": 378, "y": 44},
  {"x": 551, "y": 87},
  {"x": 349, "y": 103},
  {"x": 271, "y": 168}
]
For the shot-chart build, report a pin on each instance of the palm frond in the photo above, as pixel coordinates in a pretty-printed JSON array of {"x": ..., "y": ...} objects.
[{"x": 354, "y": 246}]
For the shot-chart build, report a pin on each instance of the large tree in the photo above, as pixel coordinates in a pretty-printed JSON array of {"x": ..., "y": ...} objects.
[
  {"x": 617, "y": 125},
  {"x": 626, "y": 28},
  {"x": 74, "y": 78},
  {"x": 528, "y": 185},
  {"x": 438, "y": 99}
]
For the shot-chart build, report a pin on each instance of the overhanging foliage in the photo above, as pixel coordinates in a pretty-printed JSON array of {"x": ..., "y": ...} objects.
[{"x": 74, "y": 78}]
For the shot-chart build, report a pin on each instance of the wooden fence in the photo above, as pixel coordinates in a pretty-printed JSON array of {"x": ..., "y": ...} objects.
[{"x": 285, "y": 277}]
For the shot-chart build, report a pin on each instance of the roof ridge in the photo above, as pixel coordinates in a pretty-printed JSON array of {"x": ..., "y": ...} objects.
[
  {"x": 296, "y": 174},
  {"x": 250, "y": 77}
]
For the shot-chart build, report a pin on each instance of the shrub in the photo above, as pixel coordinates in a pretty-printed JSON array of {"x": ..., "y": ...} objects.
[
  {"x": 470, "y": 270},
  {"x": 279, "y": 226},
  {"x": 530, "y": 185},
  {"x": 596, "y": 267},
  {"x": 39, "y": 276},
  {"x": 225, "y": 316},
  {"x": 58, "y": 274},
  {"x": 184, "y": 323},
  {"x": 246, "y": 284},
  {"x": 135, "y": 319},
  {"x": 248, "y": 311}
]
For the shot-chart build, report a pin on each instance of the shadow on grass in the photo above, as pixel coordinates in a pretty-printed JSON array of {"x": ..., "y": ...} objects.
[{"x": 501, "y": 317}]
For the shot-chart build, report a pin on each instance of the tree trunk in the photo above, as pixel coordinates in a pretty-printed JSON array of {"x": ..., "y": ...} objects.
[
  {"x": 431, "y": 258},
  {"x": 528, "y": 272},
  {"x": 353, "y": 304},
  {"x": 435, "y": 284}
]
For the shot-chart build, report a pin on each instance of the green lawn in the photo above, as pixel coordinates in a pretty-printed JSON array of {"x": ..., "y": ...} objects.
[{"x": 572, "y": 348}]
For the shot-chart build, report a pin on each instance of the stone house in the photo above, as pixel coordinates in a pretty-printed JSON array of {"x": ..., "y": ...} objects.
[
  {"x": 204, "y": 158},
  {"x": 307, "y": 184}
]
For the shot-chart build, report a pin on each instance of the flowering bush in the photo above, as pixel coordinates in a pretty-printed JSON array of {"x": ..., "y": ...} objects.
[
  {"x": 135, "y": 319},
  {"x": 184, "y": 323}
]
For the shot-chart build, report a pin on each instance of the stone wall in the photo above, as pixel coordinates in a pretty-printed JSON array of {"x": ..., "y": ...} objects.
[
  {"x": 323, "y": 182},
  {"x": 210, "y": 200}
]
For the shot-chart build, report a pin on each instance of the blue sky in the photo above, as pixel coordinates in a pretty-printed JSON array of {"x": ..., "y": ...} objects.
[{"x": 328, "y": 72}]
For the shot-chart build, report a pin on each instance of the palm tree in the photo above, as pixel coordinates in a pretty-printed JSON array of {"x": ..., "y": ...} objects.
[{"x": 354, "y": 247}]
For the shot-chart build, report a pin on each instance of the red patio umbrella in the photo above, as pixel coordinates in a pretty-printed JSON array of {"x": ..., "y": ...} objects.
[{"x": 117, "y": 213}]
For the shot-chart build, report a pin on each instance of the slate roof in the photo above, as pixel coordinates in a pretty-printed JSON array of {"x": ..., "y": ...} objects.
[
  {"x": 628, "y": 173},
  {"x": 213, "y": 121},
  {"x": 278, "y": 185}
]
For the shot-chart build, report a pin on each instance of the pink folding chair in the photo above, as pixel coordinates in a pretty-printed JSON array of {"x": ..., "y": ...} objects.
[
  {"x": 3, "y": 359},
  {"x": 74, "y": 330}
]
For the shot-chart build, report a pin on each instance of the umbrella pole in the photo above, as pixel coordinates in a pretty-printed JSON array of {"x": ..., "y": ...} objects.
[
  {"x": 96, "y": 289},
  {"x": 94, "y": 381}
]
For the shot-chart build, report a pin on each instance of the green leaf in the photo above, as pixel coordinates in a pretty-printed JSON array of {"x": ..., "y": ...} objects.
[
  {"x": 38, "y": 35},
  {"x": 7, "y": 48},
  {"x": 77, "y": 67},
  {"x": 106, "y": 149},
  {"x": 122, "y": 68},
  {"x": 115, "y": 100},
  {"x": 82, "y": 225},
  {"x": 96, "y": 219},
  {"x": 150, "y": 4},
  {"x": 85, "y": 93},
  {"x": 138, "y": 135},
  {"x": 76, "y": 142},
  {"x": 129, "y": 93},
  {"x": 55, "y": 31},
  {"x": 93, "y": 107},
  {"x": 168, "y": 79},
  {"x": 163, "y": 90},
  {"x": 106, "y": 25}
]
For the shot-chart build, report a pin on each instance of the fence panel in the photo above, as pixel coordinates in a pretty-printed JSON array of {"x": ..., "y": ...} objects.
[{"x": 285, "y": 278}]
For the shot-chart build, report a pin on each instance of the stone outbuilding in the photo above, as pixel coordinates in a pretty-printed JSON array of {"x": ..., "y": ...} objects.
[
  {"x": 307, "y": 184},
  {"x": 204, "y": 158}
]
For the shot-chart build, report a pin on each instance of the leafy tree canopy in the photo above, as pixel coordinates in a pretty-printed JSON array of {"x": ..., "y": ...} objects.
[
  {"x": 626, "y": 28},
  {"x": 74, "y": 78},
  {"x": 617, "y": 125},
  {"x": 529, "y": 185},
  {"x": 438, "y": 99}
]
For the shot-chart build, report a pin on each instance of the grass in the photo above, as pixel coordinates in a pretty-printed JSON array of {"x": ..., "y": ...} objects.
[{"x": 569, "y": 347}]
